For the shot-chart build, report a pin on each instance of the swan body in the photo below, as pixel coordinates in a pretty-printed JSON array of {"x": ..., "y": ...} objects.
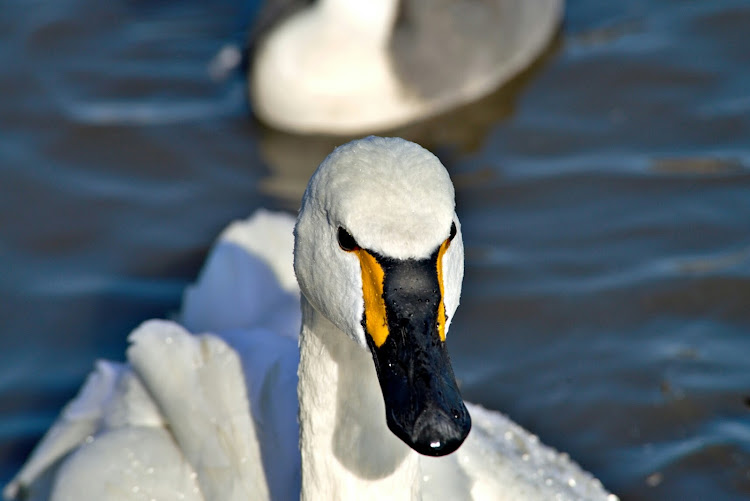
[
  {"x": 206, "y": 409},
  {"x": 346, "y": 66}
]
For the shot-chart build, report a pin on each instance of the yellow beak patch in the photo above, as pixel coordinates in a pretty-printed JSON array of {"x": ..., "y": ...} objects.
[
  {"x": 441, "y": 307},
  {"x": 372, "y": 292}
]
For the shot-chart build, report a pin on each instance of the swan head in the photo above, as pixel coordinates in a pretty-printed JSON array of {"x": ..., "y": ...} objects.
[{"x": 378, "y": 251}]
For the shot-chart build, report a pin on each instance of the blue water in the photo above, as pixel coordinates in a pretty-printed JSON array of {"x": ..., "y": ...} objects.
[{"x": 604, "y": 196}]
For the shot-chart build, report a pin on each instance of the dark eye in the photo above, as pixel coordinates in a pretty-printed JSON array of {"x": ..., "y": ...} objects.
[
  {"x": 346, "y": 241},
  {"x": 453, "y": 231}
]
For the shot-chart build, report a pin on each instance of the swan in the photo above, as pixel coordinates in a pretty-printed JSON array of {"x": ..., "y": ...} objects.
[
  {"x": 228, "y": 402},
  {"x": 349, "y": 67}
]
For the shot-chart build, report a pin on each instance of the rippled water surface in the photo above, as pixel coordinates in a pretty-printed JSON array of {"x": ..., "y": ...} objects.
[{"x": 605, "y": 198}]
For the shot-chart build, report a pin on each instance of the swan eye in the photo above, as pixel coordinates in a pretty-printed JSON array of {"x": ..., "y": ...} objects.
[
  {"x": 453, "y": 232},
  {"x": 346, "y": 241}
]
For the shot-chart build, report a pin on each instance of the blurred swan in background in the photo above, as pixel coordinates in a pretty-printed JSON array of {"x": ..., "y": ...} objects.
[
  {"x": 378, "y": 255},
  {"x": 349, "y": 67}
]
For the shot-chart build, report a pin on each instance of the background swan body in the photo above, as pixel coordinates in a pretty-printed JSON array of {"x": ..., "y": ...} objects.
[
  {"x": 346, "y": 66},
  {"x": 214, "y": 416}
]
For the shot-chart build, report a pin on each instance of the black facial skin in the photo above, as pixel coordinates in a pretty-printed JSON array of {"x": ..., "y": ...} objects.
[{"x": 423, "y": 405}]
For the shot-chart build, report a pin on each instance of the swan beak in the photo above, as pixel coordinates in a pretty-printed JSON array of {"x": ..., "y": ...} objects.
[{"x": 423, "y": 405}]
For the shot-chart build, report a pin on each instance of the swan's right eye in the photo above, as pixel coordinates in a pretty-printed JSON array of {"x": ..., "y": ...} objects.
[{"x": 346, "y": 241}]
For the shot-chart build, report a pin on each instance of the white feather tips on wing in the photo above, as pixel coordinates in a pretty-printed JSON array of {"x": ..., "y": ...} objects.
[
  {"x": 199, "y": 384},
  {"x": 78, "y": 420}
]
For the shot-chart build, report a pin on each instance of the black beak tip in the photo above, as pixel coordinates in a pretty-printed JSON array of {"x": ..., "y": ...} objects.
[{"x": 437, "y": 433}]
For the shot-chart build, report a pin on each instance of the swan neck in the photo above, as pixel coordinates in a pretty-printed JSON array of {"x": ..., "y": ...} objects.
[{"x": 347, "y": 450}]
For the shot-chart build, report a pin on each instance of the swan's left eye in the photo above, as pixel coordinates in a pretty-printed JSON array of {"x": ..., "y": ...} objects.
[
  {"x": 453, "y": 232},
  {"x": 346, "y": 241}
]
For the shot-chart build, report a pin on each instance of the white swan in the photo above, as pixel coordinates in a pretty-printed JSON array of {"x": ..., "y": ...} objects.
[
  {"x": 348, "y": 66},
  {"x": 379, "y": 258}
]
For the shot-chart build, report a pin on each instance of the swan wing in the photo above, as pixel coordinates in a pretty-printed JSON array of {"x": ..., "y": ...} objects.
[
  {"x": 78, "y": 420},
  {"x": 108, "y": 443},
  {"x": 270, "y": 365},
  {"x": 248, "y": 279},
  {"x": 175, "y": 425},
  {"x": 247, "y": 294},
  {"x": 198, "y": 384},
  {"x": 133, "y": 463}
]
